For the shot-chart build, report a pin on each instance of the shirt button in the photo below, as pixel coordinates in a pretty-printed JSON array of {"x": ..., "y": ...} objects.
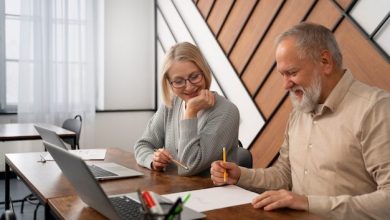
[
  {"x": 306, "y": 172},
  {"x": 310, "y": 146},
  {"x": 315, "y": 122}
]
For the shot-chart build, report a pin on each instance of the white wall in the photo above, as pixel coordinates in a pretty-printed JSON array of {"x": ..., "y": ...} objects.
[
  {"x": 129, "y": 48},
  {"x": 121, "y": 129}
]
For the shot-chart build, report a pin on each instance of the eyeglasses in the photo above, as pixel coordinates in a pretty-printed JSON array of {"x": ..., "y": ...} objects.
[{"x": 181, "y": 82}]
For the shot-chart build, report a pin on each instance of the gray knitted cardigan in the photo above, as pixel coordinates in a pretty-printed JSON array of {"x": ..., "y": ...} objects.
[{"x": 196, "y": 142}]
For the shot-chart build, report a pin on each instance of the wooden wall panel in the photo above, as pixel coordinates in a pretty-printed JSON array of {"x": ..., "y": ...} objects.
[
  {"x": 205, "y": 7},
  {"x": 362, "y": 58},
  {"x": 344, "y": 3},
  {"x": 270, "y": 94},
  {"x": 264, "y": 149},
  {"x": 252, "y": 33},
  {"x": 248, "y": 42},
  {"x": 218, "y": 15},
  {"x": 235, "y": 23},
  {"x": 264, "y": 57},
  {"x": 332, "y": 14}
]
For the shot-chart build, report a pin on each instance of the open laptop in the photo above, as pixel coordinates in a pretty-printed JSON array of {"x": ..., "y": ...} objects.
[
  {"x": 101, "y": 170},
  {"x": 90, "y": 191}
]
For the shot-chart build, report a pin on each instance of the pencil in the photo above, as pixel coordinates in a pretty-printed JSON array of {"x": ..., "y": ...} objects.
[
  {"x": 177, "y": 162},
  {"x": 180, "y": 164},
  {"x": 224, "y": 160}
]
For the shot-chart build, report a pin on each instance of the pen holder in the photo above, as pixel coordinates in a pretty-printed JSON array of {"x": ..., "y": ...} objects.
[{"x": 166, "y": 215}]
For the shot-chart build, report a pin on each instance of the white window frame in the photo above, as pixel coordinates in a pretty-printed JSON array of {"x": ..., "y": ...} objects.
[
  {"x": 4, "y": 107},
  {"x": 2, "y": 58}
]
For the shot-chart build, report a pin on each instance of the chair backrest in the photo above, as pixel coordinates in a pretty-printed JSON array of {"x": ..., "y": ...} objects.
[
  {"x": 244, "y": 157},
  {"x": 8, "y": 215},
  {"x": 73, "y": 124}
]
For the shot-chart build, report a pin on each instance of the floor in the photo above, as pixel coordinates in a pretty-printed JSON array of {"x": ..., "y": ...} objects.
[{"x": 18, "y": 191}]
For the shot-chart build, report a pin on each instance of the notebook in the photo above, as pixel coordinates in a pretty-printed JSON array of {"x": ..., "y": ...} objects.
[
  {"x": 90, "y": 191},
  {"x": 101, "y": 170}
]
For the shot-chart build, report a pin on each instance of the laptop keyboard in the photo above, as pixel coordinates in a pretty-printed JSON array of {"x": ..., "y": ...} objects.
[
  {"x": 99, "y": 172},
  {"x": 127, "y": 208}
]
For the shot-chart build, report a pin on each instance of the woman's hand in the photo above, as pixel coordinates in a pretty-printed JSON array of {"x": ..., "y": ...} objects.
[
  {"x": 161, "y": 159},
  {"x": 205, "y": 100}
]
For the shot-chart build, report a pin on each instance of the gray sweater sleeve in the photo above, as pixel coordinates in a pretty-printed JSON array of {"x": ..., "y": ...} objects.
[
  {"x": 202, "y": 139},
  {"x": 152, "y": 138}
]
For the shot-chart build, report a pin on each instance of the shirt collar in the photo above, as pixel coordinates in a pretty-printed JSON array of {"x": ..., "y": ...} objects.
[{"x": 339, "y": 91}]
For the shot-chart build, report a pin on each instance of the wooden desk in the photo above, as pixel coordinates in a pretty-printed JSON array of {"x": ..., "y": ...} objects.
[
  {"x": 47, "y": 182},
  {"x": 71, "y": 207},
  {"x": 20, "y": 132}
]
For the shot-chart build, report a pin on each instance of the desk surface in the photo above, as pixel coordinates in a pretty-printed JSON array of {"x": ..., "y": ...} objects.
[
  {"x": 18, "y": 131},
  {"x": 46, "y": 180},
  {"x": 71, "y": 207}
]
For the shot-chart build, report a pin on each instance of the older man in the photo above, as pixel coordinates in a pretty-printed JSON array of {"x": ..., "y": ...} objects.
[{"x": 335, "y": 157}]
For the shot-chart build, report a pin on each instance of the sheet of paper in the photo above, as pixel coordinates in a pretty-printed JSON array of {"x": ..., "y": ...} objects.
[
  {"x": 215, "y": 198},
  {"x": 85, "y": 154}
]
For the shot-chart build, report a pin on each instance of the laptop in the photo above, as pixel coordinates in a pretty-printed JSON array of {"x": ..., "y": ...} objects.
[
  {"x": 125, "y": 206},
  {"x": 101, "y": 170}
]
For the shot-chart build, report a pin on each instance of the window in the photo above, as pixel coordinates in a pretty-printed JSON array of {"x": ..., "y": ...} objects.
[
  {"x": 68, "y": 16},
  {"x": 9, "y": 54}
]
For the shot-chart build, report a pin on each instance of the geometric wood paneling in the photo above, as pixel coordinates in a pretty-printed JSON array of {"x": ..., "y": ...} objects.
[
  {"x": 235, "y": 23},
  {"x": 247, "y": 38},
  {"x": 270, "y": 94},
  {"x": 204, "y": 7},
  {"x": 252, "y": 33},
  {"x": 344, "y": 3},
  {"x": 362, "y": 58},
  {"x": 264, "y": 56},
  {"x": 317, "y": 15},
  {"x": 271, "y": 136},
  {"x": 218, "y": 15}
]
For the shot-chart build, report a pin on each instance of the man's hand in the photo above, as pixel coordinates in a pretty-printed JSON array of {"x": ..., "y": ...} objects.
[
  {"x": 218, "y": 168},
  {"x": 161, "y": 159},
  {"x": 204, "y": 100},
  {"x": 271, "y": 200}
]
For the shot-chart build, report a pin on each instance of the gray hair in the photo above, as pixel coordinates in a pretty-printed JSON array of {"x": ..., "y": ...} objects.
[{"x": 311, "y": 40}]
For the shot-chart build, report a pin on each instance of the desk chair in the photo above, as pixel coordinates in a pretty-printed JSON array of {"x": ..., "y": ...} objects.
[
  {"x": 244, "y": 156},
  {"x": 73, "y": 124}
]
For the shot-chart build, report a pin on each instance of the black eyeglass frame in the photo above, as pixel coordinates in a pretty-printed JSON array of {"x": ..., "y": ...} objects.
[{"x": 188, "y": 79}]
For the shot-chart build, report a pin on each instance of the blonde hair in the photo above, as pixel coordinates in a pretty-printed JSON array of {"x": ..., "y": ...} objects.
[{"x": 182, "y": 52}]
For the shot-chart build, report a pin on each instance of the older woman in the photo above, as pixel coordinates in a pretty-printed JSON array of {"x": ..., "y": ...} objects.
[{"x": 194, "y": 124}]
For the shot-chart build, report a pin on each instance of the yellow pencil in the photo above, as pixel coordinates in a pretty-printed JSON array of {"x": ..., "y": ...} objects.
[{"x": 224, "y": 160}]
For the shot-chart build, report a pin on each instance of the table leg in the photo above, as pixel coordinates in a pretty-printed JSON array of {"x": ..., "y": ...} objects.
[
  {"x": 7, "y": 186},
  {"x": 73, "y": 142},
  {"x": 48, "y": 214}
]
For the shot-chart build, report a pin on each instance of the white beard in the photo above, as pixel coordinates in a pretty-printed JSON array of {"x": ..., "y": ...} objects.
[{"x": 310, "y": 95}]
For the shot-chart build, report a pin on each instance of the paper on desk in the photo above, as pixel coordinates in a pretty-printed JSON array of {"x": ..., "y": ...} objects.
[
  {"x": 85, "y": 154},
  {"x": 215, "y": 198}
]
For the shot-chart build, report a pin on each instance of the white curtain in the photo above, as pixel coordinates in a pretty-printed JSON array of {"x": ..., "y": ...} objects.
[{"x": 58, "y": 62}]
